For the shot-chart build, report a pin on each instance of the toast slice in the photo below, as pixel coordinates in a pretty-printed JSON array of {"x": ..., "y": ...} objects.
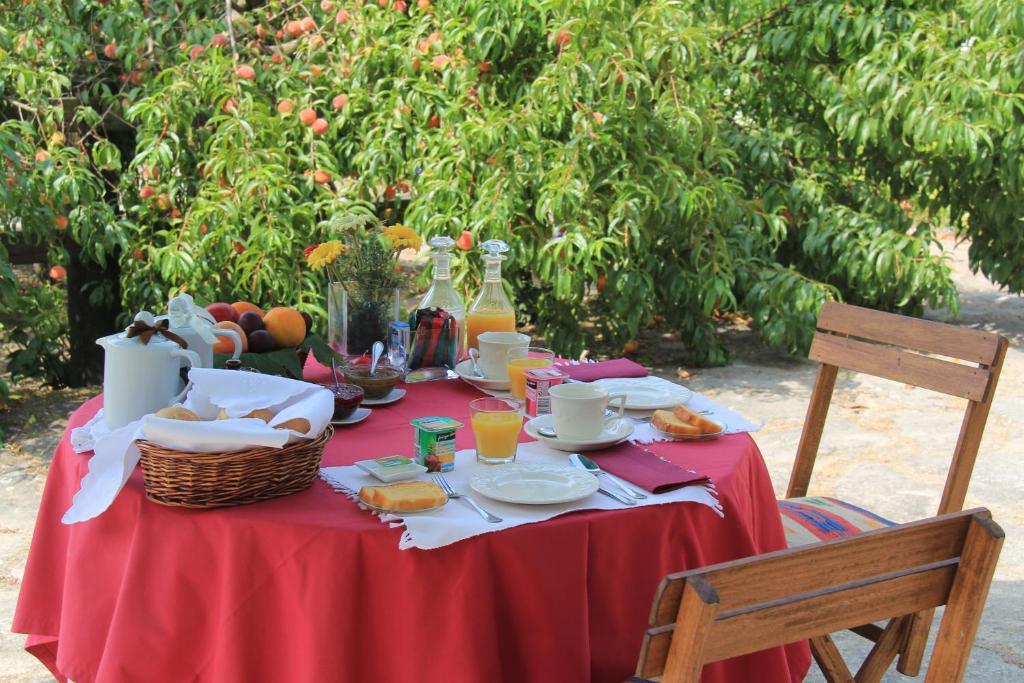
[
  {"x": 705, "y": 425},
  {"x": 667, "y": 422},
  {"x": 405, "y": 496}
]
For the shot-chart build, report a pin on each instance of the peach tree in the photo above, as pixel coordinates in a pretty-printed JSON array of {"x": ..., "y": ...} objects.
[{"x": 663, "y": 162}]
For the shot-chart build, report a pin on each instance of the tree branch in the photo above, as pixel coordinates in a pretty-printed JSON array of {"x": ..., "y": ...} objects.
[
  {"x": 756, "y": 23},
  {"x": 229, "y": 12}
]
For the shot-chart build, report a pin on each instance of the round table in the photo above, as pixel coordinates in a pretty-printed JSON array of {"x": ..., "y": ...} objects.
[{"x": 311, "y": 588}]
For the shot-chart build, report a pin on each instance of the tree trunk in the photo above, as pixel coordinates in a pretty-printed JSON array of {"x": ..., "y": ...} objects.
[{"x": 88, "y": 322}]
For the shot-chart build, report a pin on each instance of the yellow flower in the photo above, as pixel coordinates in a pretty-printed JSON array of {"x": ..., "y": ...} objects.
[
  {"x": 402, "y": 237},
  {"x": 325, "y": 254}
]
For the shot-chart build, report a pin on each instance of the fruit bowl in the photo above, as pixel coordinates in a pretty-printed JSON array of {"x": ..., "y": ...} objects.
[
  {"x": 378, "y": 385},
  {"x": 347, "y": 398}
]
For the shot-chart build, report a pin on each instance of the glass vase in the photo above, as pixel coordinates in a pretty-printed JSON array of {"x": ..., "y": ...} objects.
[{"x": 357, "y": 317}]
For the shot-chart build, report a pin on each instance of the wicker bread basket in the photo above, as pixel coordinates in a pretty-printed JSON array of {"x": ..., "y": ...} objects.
[{"x": 211, "y": 480}]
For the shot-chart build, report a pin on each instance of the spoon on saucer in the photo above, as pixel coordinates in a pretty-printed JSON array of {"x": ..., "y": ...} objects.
[
  {"x": 552, "y": 434},
  {"x": 473, "y": 357}
]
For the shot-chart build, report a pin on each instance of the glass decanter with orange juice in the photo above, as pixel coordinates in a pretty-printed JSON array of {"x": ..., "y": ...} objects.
[{"x": 491, "y": 311}]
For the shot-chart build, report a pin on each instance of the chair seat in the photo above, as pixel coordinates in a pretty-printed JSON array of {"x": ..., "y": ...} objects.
[{"x": 813, "y": 519}]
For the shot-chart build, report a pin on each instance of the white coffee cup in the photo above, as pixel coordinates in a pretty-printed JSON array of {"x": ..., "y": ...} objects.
[
  {"x": 494, "y": 348},
  {"x": 578, "y": 410}
]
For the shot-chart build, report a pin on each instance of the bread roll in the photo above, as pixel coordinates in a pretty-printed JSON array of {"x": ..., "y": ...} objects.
[
  {"x": 705, "y": 425},
  {"x": 404, "y": 496},
  {"x": 177, "y": 413},
  {"x": 262, "y": 413},
  {"x": 667, "y": 422},
  {"x": 298, "y": 424}
]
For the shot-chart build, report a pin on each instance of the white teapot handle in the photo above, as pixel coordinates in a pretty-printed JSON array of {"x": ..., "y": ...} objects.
[
  {"x": 235, "y": 339},
  {"x": 193, "y": 360}
]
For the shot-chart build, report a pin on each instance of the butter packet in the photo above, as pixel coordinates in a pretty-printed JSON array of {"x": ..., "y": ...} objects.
[{"x": 391, "y": 468}]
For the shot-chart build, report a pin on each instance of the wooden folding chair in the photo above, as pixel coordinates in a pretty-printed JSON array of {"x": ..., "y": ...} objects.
[
  {"x": 738, "y": 607},
  {"x": 892, "y": 347}
]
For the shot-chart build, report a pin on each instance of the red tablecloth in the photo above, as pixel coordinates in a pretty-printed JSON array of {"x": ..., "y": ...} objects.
[{"x": 310, "y": 588}]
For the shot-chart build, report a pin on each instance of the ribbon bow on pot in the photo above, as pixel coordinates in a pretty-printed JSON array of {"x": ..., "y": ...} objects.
[{"x": 144, "y": 327}]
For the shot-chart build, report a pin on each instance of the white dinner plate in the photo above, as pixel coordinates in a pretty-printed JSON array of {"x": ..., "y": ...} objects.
[
  {"x": 607, "y": 438},
  {"x": 465, "y": 372},
  {"x": 646, "y": 393},
  {"x": 394, "y": 395},
  {"x": 359, "y": 415},
  {"x": 533, "y": 484}
]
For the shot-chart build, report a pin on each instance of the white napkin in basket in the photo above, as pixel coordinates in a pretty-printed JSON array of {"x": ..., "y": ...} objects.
[{"x": 237, "y": 392}]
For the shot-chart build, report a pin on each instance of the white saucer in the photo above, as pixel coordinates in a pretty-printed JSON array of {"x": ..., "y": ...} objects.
[
  {"x": 395, "y": 395},
  {"x": 533, "y": 483},
  {"x": 646, "y": 393},
  {"x": 359, "y": 415},
  {"x": 465, "y": 372},
  {"x": 606, "y": 439}
]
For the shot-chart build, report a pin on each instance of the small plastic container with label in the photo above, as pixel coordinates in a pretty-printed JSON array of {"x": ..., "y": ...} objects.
[
  {"x": 435, "y": 442},
  {"x": 391, "y": 467},
  {"x": 538, "y": 382}
]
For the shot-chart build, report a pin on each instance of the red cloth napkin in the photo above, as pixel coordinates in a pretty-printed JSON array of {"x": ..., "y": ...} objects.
[
  {"x": 619, "y": 367},
  {"x": 639, "y": 466}
]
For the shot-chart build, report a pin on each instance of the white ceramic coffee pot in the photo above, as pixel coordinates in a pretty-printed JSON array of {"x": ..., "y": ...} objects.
[
  {"x": 141, "y": 372},
  {"x": 194, "y": 324}
]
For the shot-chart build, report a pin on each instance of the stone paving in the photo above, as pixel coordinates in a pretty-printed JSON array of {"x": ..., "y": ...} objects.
[{"x": 886, "y": 446}]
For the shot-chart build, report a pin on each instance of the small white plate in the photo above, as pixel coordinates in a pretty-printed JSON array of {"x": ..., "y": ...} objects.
[
  {"x": 533, "y": 484},
  {"x": 465, "y": 372},
  {"x": 395, "y": 395},
  {"x": 646, "y": 393},
  {"x": 359, "y": 415},
  {"x": 689, "y": 437},
  {"x": 606, "y": 438}
]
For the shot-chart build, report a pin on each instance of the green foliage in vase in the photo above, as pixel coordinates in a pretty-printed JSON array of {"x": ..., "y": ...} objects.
[
  {"x": 369, "y": 261},
  {"x": 657, "y": 160}
]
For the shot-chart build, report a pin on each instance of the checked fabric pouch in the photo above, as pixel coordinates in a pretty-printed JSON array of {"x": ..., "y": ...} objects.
[{"x": 435, "y": 333}]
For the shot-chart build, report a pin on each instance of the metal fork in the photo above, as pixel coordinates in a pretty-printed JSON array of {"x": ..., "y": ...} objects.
[{"x": 439, "y": 478}]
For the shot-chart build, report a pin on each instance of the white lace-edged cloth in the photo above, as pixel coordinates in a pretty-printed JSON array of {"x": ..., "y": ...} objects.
[{"x": 457, "y": 521}]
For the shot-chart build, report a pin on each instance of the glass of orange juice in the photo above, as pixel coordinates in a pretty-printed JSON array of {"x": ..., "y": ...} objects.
[
  {"x": 522, "y": 359},
  {"x": 496, "y": 425}
]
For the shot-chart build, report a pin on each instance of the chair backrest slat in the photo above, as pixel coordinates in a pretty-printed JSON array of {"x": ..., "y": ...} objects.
[
  {"x": 866, "y": 341},
  {"x": 911, "y": 333},
  {"x": 866, "y": 602},
  {"x": 807, "y": 616},
  {"x": 947, "y": 559},
  {"x": 964, "y": 381},
  {"x": 784, "y": 573}
]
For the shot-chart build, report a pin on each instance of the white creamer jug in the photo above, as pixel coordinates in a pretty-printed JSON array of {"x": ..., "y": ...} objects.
[
  {"x": 194, "y": 324},
  {"x": 141, "y": 374}
]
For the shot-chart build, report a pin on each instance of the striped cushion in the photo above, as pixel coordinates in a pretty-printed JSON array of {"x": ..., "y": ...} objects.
[{"x": 813, "y": 519}]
